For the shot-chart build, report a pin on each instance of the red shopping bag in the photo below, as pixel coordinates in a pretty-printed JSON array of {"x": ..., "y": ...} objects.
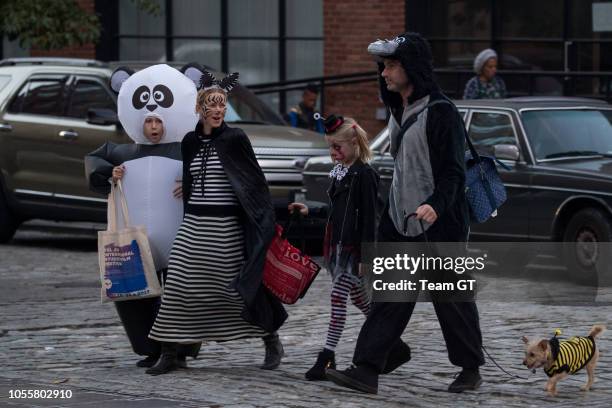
[{"x": 287, "y": 272}]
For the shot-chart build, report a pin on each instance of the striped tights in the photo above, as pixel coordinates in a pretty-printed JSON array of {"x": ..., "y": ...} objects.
[{"x": 345, "y": 285}]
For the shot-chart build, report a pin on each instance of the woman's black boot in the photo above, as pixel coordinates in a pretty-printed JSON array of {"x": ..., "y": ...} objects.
[
  {"x": 148, "y": 361},
  {"x": 274, "y": 352},
  {"x": 167, "y": 362},
  {"x": 325, "y": 360}
]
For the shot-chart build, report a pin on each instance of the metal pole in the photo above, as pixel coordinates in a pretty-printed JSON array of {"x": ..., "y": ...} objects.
[
  {"x": 282, "y": 53},
  {"x": 169, "y": 31},
  {"x": 322, "y": 93},
  {"x": 224, "y": 41}
]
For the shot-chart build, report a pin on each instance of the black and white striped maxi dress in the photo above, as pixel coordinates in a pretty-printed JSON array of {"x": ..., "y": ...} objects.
[{"x": 207, "y": 254}]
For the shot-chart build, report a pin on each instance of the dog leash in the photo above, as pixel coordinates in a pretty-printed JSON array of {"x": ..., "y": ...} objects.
[
  {"x": 500, "y": 367},
  {"x": 426, "y": 239}
]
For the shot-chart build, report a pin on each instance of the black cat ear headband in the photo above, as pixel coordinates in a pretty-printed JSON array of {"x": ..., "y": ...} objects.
[{"x": 204, "y": 80}]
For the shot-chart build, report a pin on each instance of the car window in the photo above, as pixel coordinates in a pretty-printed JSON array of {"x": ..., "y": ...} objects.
[
  {"x": 40, "y": 96},
  {"x": 488, "y": 129},
  {"x": 244, "y": 106},
  {"x": 568, "y": 132},
  {"x": 87, "y": 95}
]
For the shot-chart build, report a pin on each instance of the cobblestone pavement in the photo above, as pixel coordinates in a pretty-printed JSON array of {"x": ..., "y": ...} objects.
[{"x": 55, "y": 334}]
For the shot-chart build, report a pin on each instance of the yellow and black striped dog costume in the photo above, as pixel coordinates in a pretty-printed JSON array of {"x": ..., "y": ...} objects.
[{"x": 570, "y": 355}]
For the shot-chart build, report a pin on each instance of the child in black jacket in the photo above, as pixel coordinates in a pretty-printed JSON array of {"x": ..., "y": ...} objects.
[{"x": 351, "y": 222}]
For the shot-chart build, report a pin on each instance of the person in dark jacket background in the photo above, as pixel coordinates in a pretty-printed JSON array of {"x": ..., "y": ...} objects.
[
  {"x": 214, "y": 289},
  {"x": 428, "y": 180},
  {"x": 304, "y": 115},
  {"x": 351, "y": 222}
]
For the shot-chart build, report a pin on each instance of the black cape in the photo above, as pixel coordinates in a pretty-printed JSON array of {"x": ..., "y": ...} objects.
[{"x": 236, "y": 154}]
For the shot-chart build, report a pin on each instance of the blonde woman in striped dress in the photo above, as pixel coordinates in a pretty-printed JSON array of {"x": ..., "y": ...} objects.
[{"x": 214, "y": 288}]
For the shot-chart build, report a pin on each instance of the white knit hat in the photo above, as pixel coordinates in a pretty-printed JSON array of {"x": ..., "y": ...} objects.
[{"x": 482, "y": 58}]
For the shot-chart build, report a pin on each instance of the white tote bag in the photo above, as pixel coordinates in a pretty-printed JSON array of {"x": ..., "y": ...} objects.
[{"x": 127, "y": 270}]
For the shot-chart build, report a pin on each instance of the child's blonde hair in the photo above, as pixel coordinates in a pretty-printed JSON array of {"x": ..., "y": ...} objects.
[{"x": 348, "y": 130}]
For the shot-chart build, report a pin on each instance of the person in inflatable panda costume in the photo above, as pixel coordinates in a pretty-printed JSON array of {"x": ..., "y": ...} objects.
[{"x": 155, "y": 107}]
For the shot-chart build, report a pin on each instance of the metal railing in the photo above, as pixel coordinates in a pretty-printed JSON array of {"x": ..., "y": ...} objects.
[{"x": 452, "y": 81}]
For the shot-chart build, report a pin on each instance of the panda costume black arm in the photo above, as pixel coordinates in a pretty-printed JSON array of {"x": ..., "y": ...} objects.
[{"x": 98, "y": 168}]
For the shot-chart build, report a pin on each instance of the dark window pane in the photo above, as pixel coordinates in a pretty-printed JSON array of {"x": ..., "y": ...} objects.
[
  {"x": 591, "y": 87},
  {"x": 253, "y": 18},
  {"x": 304, "y": 18},
  {"x": 142, "y": 49},
  {"x": 205, "y": 52},
  {"x": 581, "y": 20},
  {"x": 532, "y": 56},
  {"x": 256, "y": 60},
  {"x": 89, "y": 95},
  {"x": 460, "y": 18},
  {"x": 133, "y": 21},
  {"x": 521, "y": 84},
  {"x": 490, "y": 129},
  {"x": 304, "y": 59},
  {"x": 592, "y": 56},
  {"x": 196, "y": 17},
  {"x": 456, "y": 54},
  {"x": 528, "y": 18},
  {"x": 44, "y": 97}
]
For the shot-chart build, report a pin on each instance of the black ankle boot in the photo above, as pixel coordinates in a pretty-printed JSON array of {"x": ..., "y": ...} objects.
[
  {"x": 360, "y": 378},
  {"x": 168, "y": 361},
  {"x": 187, "y": 350},
  {"x": 149, "y": 361},
  {"x": 468, "y": 380},
  {"x": 326, "y": 359},
  {"x": 274, "y": 352},
  {"x": 181, "y": 362}
]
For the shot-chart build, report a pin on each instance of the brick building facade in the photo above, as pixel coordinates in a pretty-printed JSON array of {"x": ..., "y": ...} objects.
[{"x": 349, "y": 26}]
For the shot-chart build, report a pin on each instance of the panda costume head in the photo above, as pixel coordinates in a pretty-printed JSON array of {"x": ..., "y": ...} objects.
[{"x": 158, "y": 91}]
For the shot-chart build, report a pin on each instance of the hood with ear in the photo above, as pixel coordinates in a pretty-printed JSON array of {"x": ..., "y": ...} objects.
[
  {"x": 414, "y": 54},
  {"x": 160, "y": 91}
]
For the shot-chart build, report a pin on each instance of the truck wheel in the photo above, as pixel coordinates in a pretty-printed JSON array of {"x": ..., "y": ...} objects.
[
  {"x": 8, "y": 221},
  {"x": 587, "y": 246}
]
